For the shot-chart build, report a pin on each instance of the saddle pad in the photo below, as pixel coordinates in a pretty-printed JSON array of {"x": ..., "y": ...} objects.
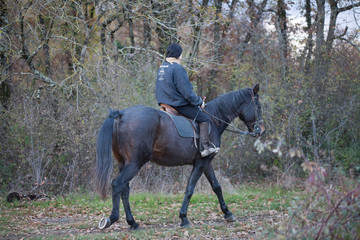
[{"x": 184, "y": 126}]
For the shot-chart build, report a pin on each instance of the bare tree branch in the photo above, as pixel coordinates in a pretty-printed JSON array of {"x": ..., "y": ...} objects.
[
  {"x": 351, "y": 43},
  {"x": 343, "y": 34},
  {"x": 343, "y": 9}
]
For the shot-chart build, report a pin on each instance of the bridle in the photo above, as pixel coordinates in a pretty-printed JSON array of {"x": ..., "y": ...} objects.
[{"x": 257, "y": 122}]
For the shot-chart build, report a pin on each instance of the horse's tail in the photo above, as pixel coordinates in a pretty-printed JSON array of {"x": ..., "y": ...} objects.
[{"x": 104, "y": 162}]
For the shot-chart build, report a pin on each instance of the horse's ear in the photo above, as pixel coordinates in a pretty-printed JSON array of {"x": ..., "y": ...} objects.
[{"x": 256, "y": 89}]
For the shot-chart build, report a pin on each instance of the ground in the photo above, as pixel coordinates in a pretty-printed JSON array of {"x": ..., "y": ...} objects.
[{"x": 259, "y": 212}]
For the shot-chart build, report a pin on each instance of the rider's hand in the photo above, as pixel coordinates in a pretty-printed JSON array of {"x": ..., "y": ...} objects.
[{"x": 203, "y": 103}]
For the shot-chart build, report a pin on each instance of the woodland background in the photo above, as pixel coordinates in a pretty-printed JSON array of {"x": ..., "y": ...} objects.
[{"x": 65, "y": 62}]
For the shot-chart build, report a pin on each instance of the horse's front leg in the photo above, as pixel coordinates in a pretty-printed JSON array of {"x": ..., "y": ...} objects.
[
  {"x": 210, "y": 175},
  {"x": 196, "y": 173}
]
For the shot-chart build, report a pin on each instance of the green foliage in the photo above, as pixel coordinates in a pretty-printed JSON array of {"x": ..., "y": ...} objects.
[
  {"x": 6, "y": 175},
  {"x": 348, "y": 158},
  {"x": 119, "y": 46}
]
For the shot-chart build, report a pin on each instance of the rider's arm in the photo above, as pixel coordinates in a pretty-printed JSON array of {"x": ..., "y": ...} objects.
[{"x": 184, "y": 86}]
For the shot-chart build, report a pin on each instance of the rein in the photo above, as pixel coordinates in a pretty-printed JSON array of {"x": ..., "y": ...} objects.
[{"x": 237, "y": 130}]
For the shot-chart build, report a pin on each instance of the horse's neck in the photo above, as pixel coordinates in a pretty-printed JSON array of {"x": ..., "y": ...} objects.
[{"x": 224, "y": 115}]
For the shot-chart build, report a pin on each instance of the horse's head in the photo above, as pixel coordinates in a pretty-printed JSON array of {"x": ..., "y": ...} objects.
[{"x": 251, "y": 113}]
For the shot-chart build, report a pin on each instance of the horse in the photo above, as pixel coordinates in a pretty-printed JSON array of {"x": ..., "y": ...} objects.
[{"x": 139, "y": 134}]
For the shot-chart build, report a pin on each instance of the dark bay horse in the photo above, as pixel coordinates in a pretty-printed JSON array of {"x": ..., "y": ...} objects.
[{"x": 140, "y": 134}]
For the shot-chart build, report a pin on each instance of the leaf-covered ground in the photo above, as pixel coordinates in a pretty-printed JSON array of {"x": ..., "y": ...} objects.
[{"x": 257, "y": 210}]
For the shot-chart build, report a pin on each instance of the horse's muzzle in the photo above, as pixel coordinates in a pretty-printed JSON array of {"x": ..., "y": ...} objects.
[{"x": 259, "y": 129}]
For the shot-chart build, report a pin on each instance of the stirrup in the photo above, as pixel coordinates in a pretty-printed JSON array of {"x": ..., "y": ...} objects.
[{"x": 207, "y": 152}]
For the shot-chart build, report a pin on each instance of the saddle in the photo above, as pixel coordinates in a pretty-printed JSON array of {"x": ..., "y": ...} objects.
[{"x": 186, "y": 127}]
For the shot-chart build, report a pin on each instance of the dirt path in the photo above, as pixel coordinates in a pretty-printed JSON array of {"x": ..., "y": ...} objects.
[
  {"x": 77, "y": 217},
  {"x": 85, "y": 226}
]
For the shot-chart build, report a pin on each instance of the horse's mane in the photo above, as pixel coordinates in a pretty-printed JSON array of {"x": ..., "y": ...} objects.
[{"x": 227, "y": 106}]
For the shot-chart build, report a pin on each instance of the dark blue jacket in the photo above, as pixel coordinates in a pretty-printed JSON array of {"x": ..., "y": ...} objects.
[{"x": 173, "y": 86}]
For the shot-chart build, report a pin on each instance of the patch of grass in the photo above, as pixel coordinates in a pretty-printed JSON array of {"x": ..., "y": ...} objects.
[
  {"x": 158, "y": 215},
  {"x": 262, "y": 198}
]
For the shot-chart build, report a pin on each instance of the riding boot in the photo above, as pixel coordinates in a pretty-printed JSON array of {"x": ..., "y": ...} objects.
[{"x": 206, "y": 147}]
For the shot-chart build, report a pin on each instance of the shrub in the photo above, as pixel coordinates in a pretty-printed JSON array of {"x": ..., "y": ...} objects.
[{"x": 327, "y": 212}]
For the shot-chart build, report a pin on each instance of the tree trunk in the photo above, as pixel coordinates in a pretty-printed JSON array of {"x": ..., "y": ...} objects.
[
  {"x": 165, "y": 15},
  {"x": 146, "y": 33},
  {"x": 5, "y": 63},
  {"x": 197, "y": 23},
  {"x": 308, "y": 51},
  {"x": 255, "y": 17},
  {"x": 212, "y": 86},
  {"x": 230, "y": 18},
  {"x": 45, "y": 37},
  {"x": 129, "y": 16},
  {"x": 323, "y": 48},
  {"x": 25, "y": 54},
  {"x": 197, "y": 26},
  {"x": 104, "y": 26},
  {"x": 282, "y": 34},
  {"x": 320, "y": 53}
]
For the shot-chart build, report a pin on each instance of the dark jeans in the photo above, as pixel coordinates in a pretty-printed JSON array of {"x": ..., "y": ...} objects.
[{"x": 190, "y": 111}]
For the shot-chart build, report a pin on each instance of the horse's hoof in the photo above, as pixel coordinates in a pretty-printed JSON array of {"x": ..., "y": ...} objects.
[
  {"x": 185, "y": 225},
  {"x": 135, "y": 227},
  {"x": 230, "y": 218},
  {"x": 104, "y": 223}
]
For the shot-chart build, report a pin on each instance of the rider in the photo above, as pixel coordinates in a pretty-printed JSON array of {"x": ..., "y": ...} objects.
[{"x": 173, "y": 88}]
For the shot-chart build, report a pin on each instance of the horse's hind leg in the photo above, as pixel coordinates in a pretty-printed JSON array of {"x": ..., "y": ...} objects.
[
  {"x": 119, "y": 184},
  {"x": 129, "y": 217},
  {"x": 210, "y": 175}
]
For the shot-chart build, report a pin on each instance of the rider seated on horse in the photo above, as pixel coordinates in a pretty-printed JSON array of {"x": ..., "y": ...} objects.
[{"x": 173, "y": 88}]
